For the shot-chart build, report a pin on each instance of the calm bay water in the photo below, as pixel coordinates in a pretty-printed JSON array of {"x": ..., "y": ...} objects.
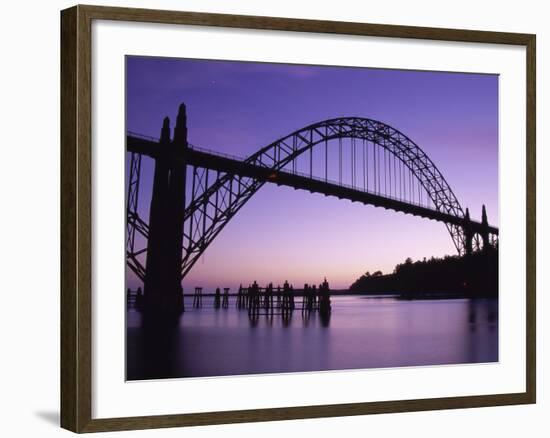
[{"x": 362, "y": 332}]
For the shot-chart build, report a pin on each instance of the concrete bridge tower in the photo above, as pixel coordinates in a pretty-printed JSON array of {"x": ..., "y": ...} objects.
[
  {"x": 162, "y": 285},
  {"x": 468, "y": 234},
  {"x": 484, "y": 229}
]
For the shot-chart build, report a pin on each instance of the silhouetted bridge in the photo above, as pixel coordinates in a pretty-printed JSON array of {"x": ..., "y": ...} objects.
[{"x": 196, "y": 192}]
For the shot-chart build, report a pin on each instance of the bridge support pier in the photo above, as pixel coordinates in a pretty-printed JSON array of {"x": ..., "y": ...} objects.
[
  {"x": 484, "y": 229},
  {"x": 163, "y": 294},
  {"x": 468, "y": 233}
]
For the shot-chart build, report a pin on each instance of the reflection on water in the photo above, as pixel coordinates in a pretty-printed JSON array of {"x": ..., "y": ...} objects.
[{"x": 362, "y": 332}]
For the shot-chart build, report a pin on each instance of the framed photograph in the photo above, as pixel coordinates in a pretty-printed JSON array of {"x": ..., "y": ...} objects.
[{"x": 268, "y": 218}]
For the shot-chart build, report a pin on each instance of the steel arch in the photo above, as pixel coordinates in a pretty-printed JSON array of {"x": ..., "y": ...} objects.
[{"x": 206, "y": 216}]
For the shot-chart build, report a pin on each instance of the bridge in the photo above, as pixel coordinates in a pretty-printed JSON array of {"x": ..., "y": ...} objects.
[{"x": 196, "y": 192}]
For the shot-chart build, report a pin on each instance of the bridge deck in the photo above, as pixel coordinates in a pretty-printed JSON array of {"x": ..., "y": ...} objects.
[{"x": 234, "y": 166}]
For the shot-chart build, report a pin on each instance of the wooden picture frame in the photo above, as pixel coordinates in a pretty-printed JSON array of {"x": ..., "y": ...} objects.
[{"x": 76, "y": 217}]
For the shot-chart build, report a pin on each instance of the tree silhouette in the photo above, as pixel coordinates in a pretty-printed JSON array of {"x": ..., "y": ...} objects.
[{"x": 474, "y": 275}]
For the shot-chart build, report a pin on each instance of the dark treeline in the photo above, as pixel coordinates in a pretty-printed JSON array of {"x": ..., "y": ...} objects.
[{"x": 474, "y": 275}]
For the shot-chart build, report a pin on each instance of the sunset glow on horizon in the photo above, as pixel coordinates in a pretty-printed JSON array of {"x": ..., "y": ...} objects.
[{"x": 285, "y": 234}]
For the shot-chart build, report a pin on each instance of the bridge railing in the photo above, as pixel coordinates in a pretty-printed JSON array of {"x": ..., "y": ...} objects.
[
  {"x": 358, "y": 188},
  {"x": 293, "y": 171},
  {"x": 142, "y": 136},
  {"x": 190, "y": 145},
  {"x": 212, "y": 152}
]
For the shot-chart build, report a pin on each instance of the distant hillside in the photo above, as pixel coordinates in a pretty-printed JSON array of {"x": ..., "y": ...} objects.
[{"x": 469, "y": 276}]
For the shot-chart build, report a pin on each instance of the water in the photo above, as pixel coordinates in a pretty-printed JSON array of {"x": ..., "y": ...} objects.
[{"x": 363, "y": 332}]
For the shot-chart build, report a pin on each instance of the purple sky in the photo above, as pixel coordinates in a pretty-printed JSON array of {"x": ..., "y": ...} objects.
[{"x": 238, "y": 107}]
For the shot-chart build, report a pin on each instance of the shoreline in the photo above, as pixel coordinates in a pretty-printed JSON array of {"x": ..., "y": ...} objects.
[{"x": 397, "y": 295}]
